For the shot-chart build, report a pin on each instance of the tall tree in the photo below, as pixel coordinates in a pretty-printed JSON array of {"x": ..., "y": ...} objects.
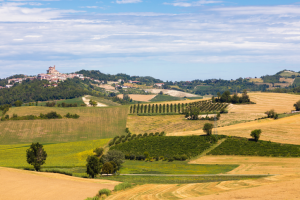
[
  {"x": 152, "y": 108},
  {"x": 149, "y": 108},
  {"x": 168, "y": 108},
  {"x": 164, "y": 108},
  {"x": 36, "y": 155},
  {"x": 171, "y": 107},
  {"x": 142, "y": 108},
  {"x": 93, "y": 166}
]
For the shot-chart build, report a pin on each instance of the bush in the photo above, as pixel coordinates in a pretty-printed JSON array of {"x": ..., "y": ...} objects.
[
  {"x": 92, "y": 198},
  {"x": 74, "y": 116},
  {"x": 207, "y": 128},
  {"x": 256, "y": 134},
  {"x": 98, "y": 151},
  {"x": 36, "y": 155},
  {"x": 122, "y": 186},
  {"x": 107, "y": 192},
  {"x": 297, "y": 105},
  {"x": 272, "y": 114}
]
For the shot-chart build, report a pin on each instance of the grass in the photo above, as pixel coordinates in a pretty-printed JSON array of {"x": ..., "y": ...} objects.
[
  {"x": 104, "y": 101},
  {"x": 123, "y": 186},
  {"x": 245, "y": 147},
  {"x": 297, "y": 82},
  {"x": 61, "y": 156},
  {"x": 167, "y": 123},
  {"x": 176, "y": 179},
  {"x": 163, "y": 97},
  {"x": 175, "y": 167},
  {"x": 72, "y": 101},
  {"x": 94, "y": 123},
  {"x": 171, "y": 146}
]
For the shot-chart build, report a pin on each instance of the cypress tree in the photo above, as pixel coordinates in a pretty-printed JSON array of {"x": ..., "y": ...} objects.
[
  {"x": 159, "y": 108},
  {"x": 168, "y": 108},
  {"x": 142, "y": 108},
  {"x": 171, "y": 107},
  {"x": 178, "y": 107},
  {"x": 130, "y": 109},
  {"x": 175, "y": 108},
  {"x": 156, "y": 108},
  {"x": 152, "y": 108},
  {"x": 134, "y": 107},
  {"x": 164, "y": 108},
  {"x": 138, "y": 108},
  {"x": 149, "y": 107},
  {"x": 145, "y": 109},
  {"x": 182, "y": 108}
]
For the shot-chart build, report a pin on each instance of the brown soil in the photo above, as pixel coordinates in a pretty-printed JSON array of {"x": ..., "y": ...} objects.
[{"x": 20, "y": 184}]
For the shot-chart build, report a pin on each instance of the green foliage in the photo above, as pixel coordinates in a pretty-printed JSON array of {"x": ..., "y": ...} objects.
[
  {"x": 207, "y": 128},
  {"x": 92, "y": 198},
  {"x": 51, "y": 115},
  {"x": 93, "y": 166},
  {"x": 99, "y": 151},
  {"x": 272, "y": 114},
  {"x": 36, "y": 155},
  {"x": 123, "y": 186},
  {"x": 58, "y": 171},
  {"x": 166, "y": 146},
  {"x": 157, "y": 114},
  {"x": 255, "y": 134},
  {"x": 116, "y": 156},
  {"x": 18, "y": 103},
  {"x": 74, "y": 116},
  {"x": 297, "y": 105},
  {"x": 107, "y": 192},
  {"x": 107, "y": 168},
  {"x": 30, "y": 91},
  {"x": 164, "y": 97},
  {"x": 242, "y": 146}
]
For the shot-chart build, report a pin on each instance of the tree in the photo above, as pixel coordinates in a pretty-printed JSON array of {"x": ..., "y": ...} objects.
[
  {"x": 93, "y": 103},
  {"x": 36, "y": 155},
  {"x": 149, "y": 108},
  {"x": 207, "y": 128},
  {"x": 18, "y": 103},
  {"x": 130, "y": 109},
  {"x": 107, "y": 168},
  {"x": 272, "y": 114},
  {"x": 256, "y": 134},
  {"x": 116, "y": 156},
  {"x": 93, "y": 166},
  {"x": 297, "y": 105},
  {"x": 99, "y": 151}
]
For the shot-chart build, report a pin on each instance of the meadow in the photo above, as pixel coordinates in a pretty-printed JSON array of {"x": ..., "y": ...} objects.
[
  {"x": 68, "y": 101},
  {"x": 94, "y": 123},
  {"x": 61, "y": 155},
  {"x": 163, "y": 97},
  {"x": 175, "y": 167},
  {"x": 104, "y": 101}
]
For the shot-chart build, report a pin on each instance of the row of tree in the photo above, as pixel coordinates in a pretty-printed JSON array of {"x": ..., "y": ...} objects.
[
  {"x": 158, "y": 108},
  {"x": 227, "y": 98}
]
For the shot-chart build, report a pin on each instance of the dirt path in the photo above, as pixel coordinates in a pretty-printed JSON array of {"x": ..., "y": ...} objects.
[
  {"x": 20, "y": 184},
  {"x": 86, "y": 100}
]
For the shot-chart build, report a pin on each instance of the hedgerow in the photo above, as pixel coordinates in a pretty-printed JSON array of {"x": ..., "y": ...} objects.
[
  {"x": 168, "y": 147},
  {"x": 245, "y": 147}
]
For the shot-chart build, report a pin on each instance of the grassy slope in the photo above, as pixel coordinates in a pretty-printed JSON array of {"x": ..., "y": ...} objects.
[
  {"x": 75, "y": 100},
  {"x": 176, "y": 167},
  {"x": 63, "y": 154},
  {"x": 163, "y": 97},
  {"x": 94, "y": 123}
]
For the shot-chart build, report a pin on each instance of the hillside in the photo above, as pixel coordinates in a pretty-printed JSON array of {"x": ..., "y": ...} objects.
[{"x": 94, "y": 123}]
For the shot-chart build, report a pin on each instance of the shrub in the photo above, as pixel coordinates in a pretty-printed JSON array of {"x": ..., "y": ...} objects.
[
  {"x": 98, "y": 151},
  {"x": 297, "y": 105},
  {"x": 92, "y": 198},
  {"x": 272, "y": 114},
  {"x": 107, "y": 192},
  {"x": 107, "y": 168},
  {"x": 207, "y": 128},
  {"x": 122, "y": 186},
  {"x": 74, "y": 116},
  {"x": 256, "y": 134}
]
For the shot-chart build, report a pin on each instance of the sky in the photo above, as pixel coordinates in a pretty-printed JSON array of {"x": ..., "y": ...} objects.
[{"x": 171, "y": 40}]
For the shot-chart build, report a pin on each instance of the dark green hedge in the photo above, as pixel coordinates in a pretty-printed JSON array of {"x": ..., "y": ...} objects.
[{"x": 245, "y": 147}]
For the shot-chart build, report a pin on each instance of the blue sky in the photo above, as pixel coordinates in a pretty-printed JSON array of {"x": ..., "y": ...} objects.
[{"x": 167, "y": 39}]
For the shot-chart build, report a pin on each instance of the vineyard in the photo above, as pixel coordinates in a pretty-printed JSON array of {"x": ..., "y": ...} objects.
[
  {"x": 203, "y": 106},
  {"x": 168, "y": 147},
  {"x": 243, "y": 146}
]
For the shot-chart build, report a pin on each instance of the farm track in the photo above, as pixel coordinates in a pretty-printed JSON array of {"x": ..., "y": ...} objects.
[{"x": 86, "y": 100}]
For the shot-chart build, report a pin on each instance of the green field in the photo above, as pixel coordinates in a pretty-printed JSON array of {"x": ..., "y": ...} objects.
[
  {"x": 297, "y": 82},
  {"x": 176, "y": 179},
  {"x": 289, "y": 74},
  {"x": 175, "y": 167},
  {"x": 245, "y": 147},
  {"x": 167, "y": 147},
  {"x": 104, "y": 101},
  {"x": 62, "y": 155},
  {"x": 72, "y": 101},
  {"x": 94, "y": 123},
  {"x": 163, "y": 97}
]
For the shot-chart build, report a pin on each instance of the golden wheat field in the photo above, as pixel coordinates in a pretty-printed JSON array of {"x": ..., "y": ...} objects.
[{"x": 94, "y": 123}]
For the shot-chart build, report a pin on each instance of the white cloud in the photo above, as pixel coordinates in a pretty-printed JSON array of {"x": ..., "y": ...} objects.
[
  {"x": 128, "y": 1},
  {"x": 89, "y": 7},
  {"x": 192, "y": 4}
]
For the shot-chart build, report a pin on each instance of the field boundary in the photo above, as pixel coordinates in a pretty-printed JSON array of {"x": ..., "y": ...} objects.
[{"x": 201, "y": 175}]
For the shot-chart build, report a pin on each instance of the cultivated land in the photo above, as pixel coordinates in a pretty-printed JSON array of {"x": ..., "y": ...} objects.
[
  {"x": 173, "y": 93},
  {"x": 94, "y": 123},
  {"x": 20, "y": 184},
  {"x": 139, "y": 97}
]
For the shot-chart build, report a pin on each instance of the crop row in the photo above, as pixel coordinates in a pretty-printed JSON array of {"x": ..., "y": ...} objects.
[
  {"x": 243, "y": 146},
  {"x": 168, "y": 147}
]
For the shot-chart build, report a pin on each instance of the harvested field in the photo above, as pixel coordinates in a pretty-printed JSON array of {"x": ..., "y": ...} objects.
[
  {"x": 288, "y": 80},
  {"x": 94, "y": 123},
  {"x": 173, "y": 93},
  {"x": 86, "y": 100},
  {"x": 28, "y": 185},
  {"x": 106, "y": 87},
  {"x": 167, "y": 123},
  {"x": 280, "y": 102},
  {"x": 285, "y": 130},
  {"x": 138, "y": 97}
]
